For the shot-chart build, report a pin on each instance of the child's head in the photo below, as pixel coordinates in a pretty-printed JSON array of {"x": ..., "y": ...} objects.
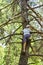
[{"x": 27, "y": 26}]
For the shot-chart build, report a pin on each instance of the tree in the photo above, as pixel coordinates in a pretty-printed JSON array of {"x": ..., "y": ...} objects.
[{"x": 14, "y": 17}]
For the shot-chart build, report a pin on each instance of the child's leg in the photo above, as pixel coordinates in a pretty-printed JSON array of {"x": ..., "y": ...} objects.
[
  {"x": 24, "y": 43},
  {"x": 24, "y": 46}
]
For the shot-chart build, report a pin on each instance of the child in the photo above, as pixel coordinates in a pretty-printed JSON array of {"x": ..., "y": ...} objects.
[{"x": 26, "y": 35}]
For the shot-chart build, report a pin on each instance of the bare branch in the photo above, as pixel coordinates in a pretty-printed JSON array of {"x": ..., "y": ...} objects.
[
  {"x": 36, "y": 55},
  {"x": 34, "y": 12}
]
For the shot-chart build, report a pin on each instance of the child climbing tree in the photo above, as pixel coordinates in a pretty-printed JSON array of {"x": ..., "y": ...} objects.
[{"x": 26, "y": 36}]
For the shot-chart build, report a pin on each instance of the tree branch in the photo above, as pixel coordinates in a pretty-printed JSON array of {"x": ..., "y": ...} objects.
[
  {"x": 35, "y": 19},
  {"x": 38, "y": 6},
  {"x": 34, "y": 12},
  {"x": 31, "y": 41},
  {"x": 20, "y": 34},
  {"x": 10, "y": 34},
  {"x": 8, "y": 5},
  {"x": 36, "y": 55},
  {"x": 10, "y": 20}
]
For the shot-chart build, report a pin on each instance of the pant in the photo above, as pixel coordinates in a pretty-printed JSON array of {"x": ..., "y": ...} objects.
[{"x": 26, "y": 37}]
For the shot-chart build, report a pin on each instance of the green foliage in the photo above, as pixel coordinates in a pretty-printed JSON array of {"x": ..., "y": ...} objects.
[
  {"x": 10, "y": 52},
  {"x": 1, "y": 55}
]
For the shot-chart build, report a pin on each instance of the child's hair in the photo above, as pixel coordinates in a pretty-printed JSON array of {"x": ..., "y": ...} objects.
[{"x": 27, "y": 26}]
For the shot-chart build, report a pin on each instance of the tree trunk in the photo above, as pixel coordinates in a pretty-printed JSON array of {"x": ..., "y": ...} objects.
[{"x": 24, "y": 58}]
